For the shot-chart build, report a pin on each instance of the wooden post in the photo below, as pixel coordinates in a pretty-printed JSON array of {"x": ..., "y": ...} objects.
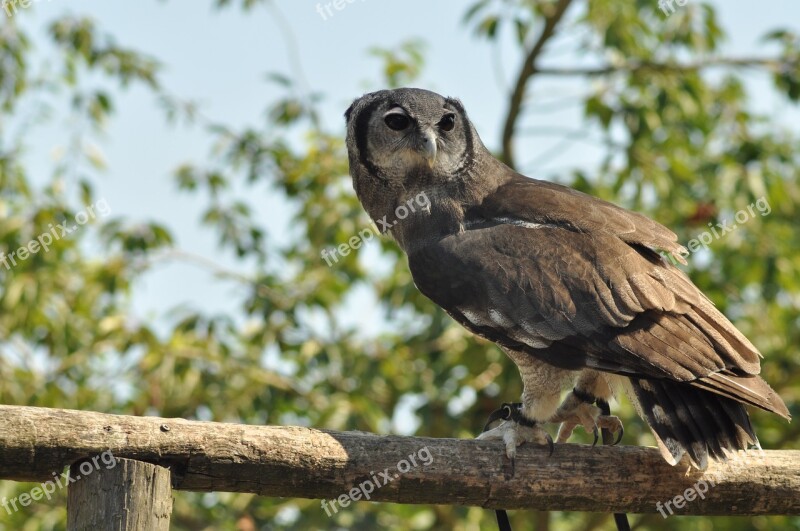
[{"x": 126, "y": 496}]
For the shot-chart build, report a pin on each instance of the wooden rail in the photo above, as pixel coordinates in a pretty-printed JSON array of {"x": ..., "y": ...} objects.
[{"x": 341, "y": 467}]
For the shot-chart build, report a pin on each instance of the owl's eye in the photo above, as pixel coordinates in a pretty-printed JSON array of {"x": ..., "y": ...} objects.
[
  {"x": 397, "y": 121},
  {"x": 448, "y": 122}
]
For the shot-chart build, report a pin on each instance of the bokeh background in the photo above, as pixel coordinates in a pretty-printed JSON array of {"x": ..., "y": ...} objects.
[{"x": 213, "y": 132}]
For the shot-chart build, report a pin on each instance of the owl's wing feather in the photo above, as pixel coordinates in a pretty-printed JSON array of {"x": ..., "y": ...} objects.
[
  {"x": 544, "y": 202},
  {"x": 568, "y": 289}
]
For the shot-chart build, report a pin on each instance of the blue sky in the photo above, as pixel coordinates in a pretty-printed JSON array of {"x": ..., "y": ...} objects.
[{"x": 220, "y": 59}]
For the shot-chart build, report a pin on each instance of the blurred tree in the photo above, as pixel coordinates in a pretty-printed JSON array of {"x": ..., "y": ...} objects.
[{"x": 681, "y": 145}]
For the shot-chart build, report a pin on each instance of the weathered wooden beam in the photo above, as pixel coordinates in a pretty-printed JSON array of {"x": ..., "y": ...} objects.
[
  {"x": 289, "y": 461},
  {"x": 119, "y": 494}
]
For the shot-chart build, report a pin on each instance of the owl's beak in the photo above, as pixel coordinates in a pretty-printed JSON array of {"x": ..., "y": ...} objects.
[{"x": 429, "y": 147}]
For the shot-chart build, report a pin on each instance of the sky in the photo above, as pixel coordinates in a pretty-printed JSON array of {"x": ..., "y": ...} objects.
[{"x": 221, "y": 59}]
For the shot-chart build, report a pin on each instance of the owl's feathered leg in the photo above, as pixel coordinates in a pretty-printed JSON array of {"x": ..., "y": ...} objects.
[
  {"x": 578, "y": 409},
  {"x": 523, "y": 422}
]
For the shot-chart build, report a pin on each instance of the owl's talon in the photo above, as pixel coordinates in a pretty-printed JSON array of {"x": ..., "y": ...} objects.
[
  {"x": 514, "y": 434},
  {"x": 514, "y": 431},
  {"x": 619, "y": 437},
  {"x": 612, "y": 424},
  {"x": 578, "y": 410}
]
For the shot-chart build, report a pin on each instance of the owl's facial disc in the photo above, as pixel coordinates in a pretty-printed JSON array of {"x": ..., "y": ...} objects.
[
  {"x": 420, "y": 140},
  {"x": 410, "y": 136}
]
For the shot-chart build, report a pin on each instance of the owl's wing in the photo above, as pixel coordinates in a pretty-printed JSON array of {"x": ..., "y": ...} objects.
[
  {"x": 573, "y": 281},
  {"x": 522, "y": 199}
]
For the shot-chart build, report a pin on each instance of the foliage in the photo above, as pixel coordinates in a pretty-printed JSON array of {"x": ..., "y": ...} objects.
[{"x": 681, "y": 145}]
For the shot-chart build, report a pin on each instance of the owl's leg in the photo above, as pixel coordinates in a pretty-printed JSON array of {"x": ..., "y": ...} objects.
[
  {"x": 578, "y": 409},
  {"x": 542, "y": 385}
]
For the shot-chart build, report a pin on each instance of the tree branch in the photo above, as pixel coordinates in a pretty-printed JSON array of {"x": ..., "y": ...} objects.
[
  {"x": 528, "y": 69},
  {"x": 730, "y": 62},
  {"x": 300, "y": 462}
]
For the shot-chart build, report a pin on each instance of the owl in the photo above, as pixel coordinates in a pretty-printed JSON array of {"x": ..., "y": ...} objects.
[{"x": 575, "y": 290}]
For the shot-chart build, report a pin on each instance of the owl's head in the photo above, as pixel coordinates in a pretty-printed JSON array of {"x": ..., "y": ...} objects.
[
  {"x": 409, "y": 135},
  {"x": 408, "y": 143}
]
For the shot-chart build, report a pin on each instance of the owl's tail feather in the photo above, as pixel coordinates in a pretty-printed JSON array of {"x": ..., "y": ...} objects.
[{"x": 687, "y": 419}]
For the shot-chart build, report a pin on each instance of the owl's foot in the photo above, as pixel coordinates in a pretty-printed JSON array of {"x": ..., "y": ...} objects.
[
  {"x": 578, "y": 409},
  {"x": 514, "y": 430}
]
